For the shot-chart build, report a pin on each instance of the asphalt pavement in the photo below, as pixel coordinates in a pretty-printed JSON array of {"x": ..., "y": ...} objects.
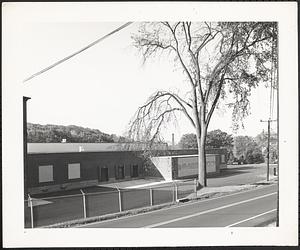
[
  {"x": 241, "y": 174},
  {"x": 243, "y": 209}
]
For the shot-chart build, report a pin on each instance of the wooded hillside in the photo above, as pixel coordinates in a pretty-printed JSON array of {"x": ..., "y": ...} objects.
[{"x": 72, "y": 133}]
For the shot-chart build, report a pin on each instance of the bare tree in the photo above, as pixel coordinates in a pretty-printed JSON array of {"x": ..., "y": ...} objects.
[{"x": 220, "y": 60}]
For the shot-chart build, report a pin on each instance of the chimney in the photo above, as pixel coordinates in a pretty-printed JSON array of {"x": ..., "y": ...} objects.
[{"x": 173, "y": 141}]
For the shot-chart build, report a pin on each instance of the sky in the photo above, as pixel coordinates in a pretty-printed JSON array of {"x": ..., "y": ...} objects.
[{"x": 102, "y": 87}]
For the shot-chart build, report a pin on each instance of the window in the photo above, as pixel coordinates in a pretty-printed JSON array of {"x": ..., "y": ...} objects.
[
  {"x": 45, "y": 173},
  {"x": 119, "y": 172},
  {"x": 74, "y": 170}
]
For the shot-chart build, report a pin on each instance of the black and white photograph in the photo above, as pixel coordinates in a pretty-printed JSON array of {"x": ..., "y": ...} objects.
[{"x": 149, "y": 124}]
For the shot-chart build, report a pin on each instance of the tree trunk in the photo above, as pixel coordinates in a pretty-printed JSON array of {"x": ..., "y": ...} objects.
[{"x": 201, "y": 159}]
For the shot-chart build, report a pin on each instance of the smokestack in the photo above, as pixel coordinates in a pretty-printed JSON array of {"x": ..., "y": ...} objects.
[{"x": 173, "y": 141}]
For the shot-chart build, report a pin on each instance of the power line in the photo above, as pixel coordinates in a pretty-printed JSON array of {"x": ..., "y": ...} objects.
[{"x": 78, "y": 52}]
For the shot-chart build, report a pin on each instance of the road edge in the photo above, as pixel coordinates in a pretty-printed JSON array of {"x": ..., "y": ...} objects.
[{"x": 84, "y": 221}]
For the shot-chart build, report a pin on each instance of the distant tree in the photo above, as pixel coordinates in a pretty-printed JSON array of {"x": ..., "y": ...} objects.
[
  {"x": 262, "y": 141},
  {"x": 188, "y": 141},
  {"x": 215, "y": 139},
  {"x": 241, "y": 144},
  {"x": 247, "y": 150},
  {"x": 219, "y": 139},
  {"x": 230, "y": 157}
]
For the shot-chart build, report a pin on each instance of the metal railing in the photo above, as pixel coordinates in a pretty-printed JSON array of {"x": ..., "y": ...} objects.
[{"x": 43, "y": 211}]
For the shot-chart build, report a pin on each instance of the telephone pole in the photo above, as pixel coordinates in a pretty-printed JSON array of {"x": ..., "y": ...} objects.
[{"x": 268, "y": 147}]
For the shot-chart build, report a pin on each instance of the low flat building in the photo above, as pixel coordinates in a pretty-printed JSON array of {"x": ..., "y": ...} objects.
[
  {"x": 62, "y": 166},
  {"x": 185, "y": 166}
]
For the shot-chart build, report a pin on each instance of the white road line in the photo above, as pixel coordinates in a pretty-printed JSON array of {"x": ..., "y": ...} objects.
[
  {"x": 174, "y": 207},
  {"x": 251, "y": 218},
  {"x": 207, "y": 211}
]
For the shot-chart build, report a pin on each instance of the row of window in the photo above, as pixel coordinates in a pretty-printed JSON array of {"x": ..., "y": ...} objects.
[{"x": 46, "y": 172}]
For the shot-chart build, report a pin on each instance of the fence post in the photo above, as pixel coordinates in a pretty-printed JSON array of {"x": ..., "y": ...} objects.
[
  {"x": 195, "y": 181},
  {"x": 173, "y": 193},
  {"x": 176, "y": 191},
  {"x": 84, "y": 204},
  {"x": 31, "y": 210},
  {"x": 120, "y": 199},
  {"x": 151, "y": 196}
]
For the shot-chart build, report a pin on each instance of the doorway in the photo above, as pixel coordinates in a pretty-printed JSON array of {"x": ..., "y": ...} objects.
[
  {"x": 135, "y": 171},
  {"x": 103, "y": 174}
]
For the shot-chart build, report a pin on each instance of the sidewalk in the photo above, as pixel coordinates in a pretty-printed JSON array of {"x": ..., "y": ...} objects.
[
  {"x": 211, "y": 191},
  {"x": 140, "y": 183}
]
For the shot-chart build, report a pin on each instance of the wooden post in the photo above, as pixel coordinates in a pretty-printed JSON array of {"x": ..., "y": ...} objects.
[
  {"x": 25, "y": 99},
  {"x": 151, "y": 197},
  {"x": 176, "y": 192},
  {"x": 120, "y": 201},
  {"x": 195, "y": 183},
  {"x": 268, "y": 146}
]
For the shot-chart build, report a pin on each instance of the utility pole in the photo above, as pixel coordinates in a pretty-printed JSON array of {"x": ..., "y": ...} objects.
[
  {"x": 25, "y": 169},
  {"x": 268, "y": 147}
]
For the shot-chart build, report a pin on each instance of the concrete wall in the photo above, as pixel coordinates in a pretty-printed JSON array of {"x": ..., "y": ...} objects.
[
  {"x": 164, "y": 166},
  {"x": 177, "y": 167}
]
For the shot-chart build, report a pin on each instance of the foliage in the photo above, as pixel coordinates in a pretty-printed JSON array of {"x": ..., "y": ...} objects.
[
  {"x": 216, "y": 59},
  {"x": 219, "y": 139},
  {"x": 247, "y": 150},
  {"x": 262, "y": 141},
  {"x": 56, "y": 133},
  {"x": 214, "y": 139},
  {"x": 188, "y": 141}
]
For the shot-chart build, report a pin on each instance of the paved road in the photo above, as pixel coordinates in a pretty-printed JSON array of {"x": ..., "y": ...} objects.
[
  {"x": 241, "y": 174},
  {"x": 248, "y": 208}
]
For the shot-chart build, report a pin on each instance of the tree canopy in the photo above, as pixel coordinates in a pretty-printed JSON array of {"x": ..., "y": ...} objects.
[
  {"x": 218, "y": 139},
  {"x": 215, "y": 139},
  {"x": 220, "y": 60},
  {"x": 246, "y": 148},
  {"x": 188, "y": 141},
  {"x": 262, "y": 141}
]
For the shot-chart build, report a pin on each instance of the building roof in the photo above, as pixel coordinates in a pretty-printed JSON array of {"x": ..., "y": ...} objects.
[
  {"x": 180, "y": 156},
  {"x": 39, "y": 148}
]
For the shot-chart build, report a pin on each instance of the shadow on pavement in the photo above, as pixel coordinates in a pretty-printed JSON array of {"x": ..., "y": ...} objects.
[
  {"x": 240, "y": 168},
  {"x": 227, "y": 172}
]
